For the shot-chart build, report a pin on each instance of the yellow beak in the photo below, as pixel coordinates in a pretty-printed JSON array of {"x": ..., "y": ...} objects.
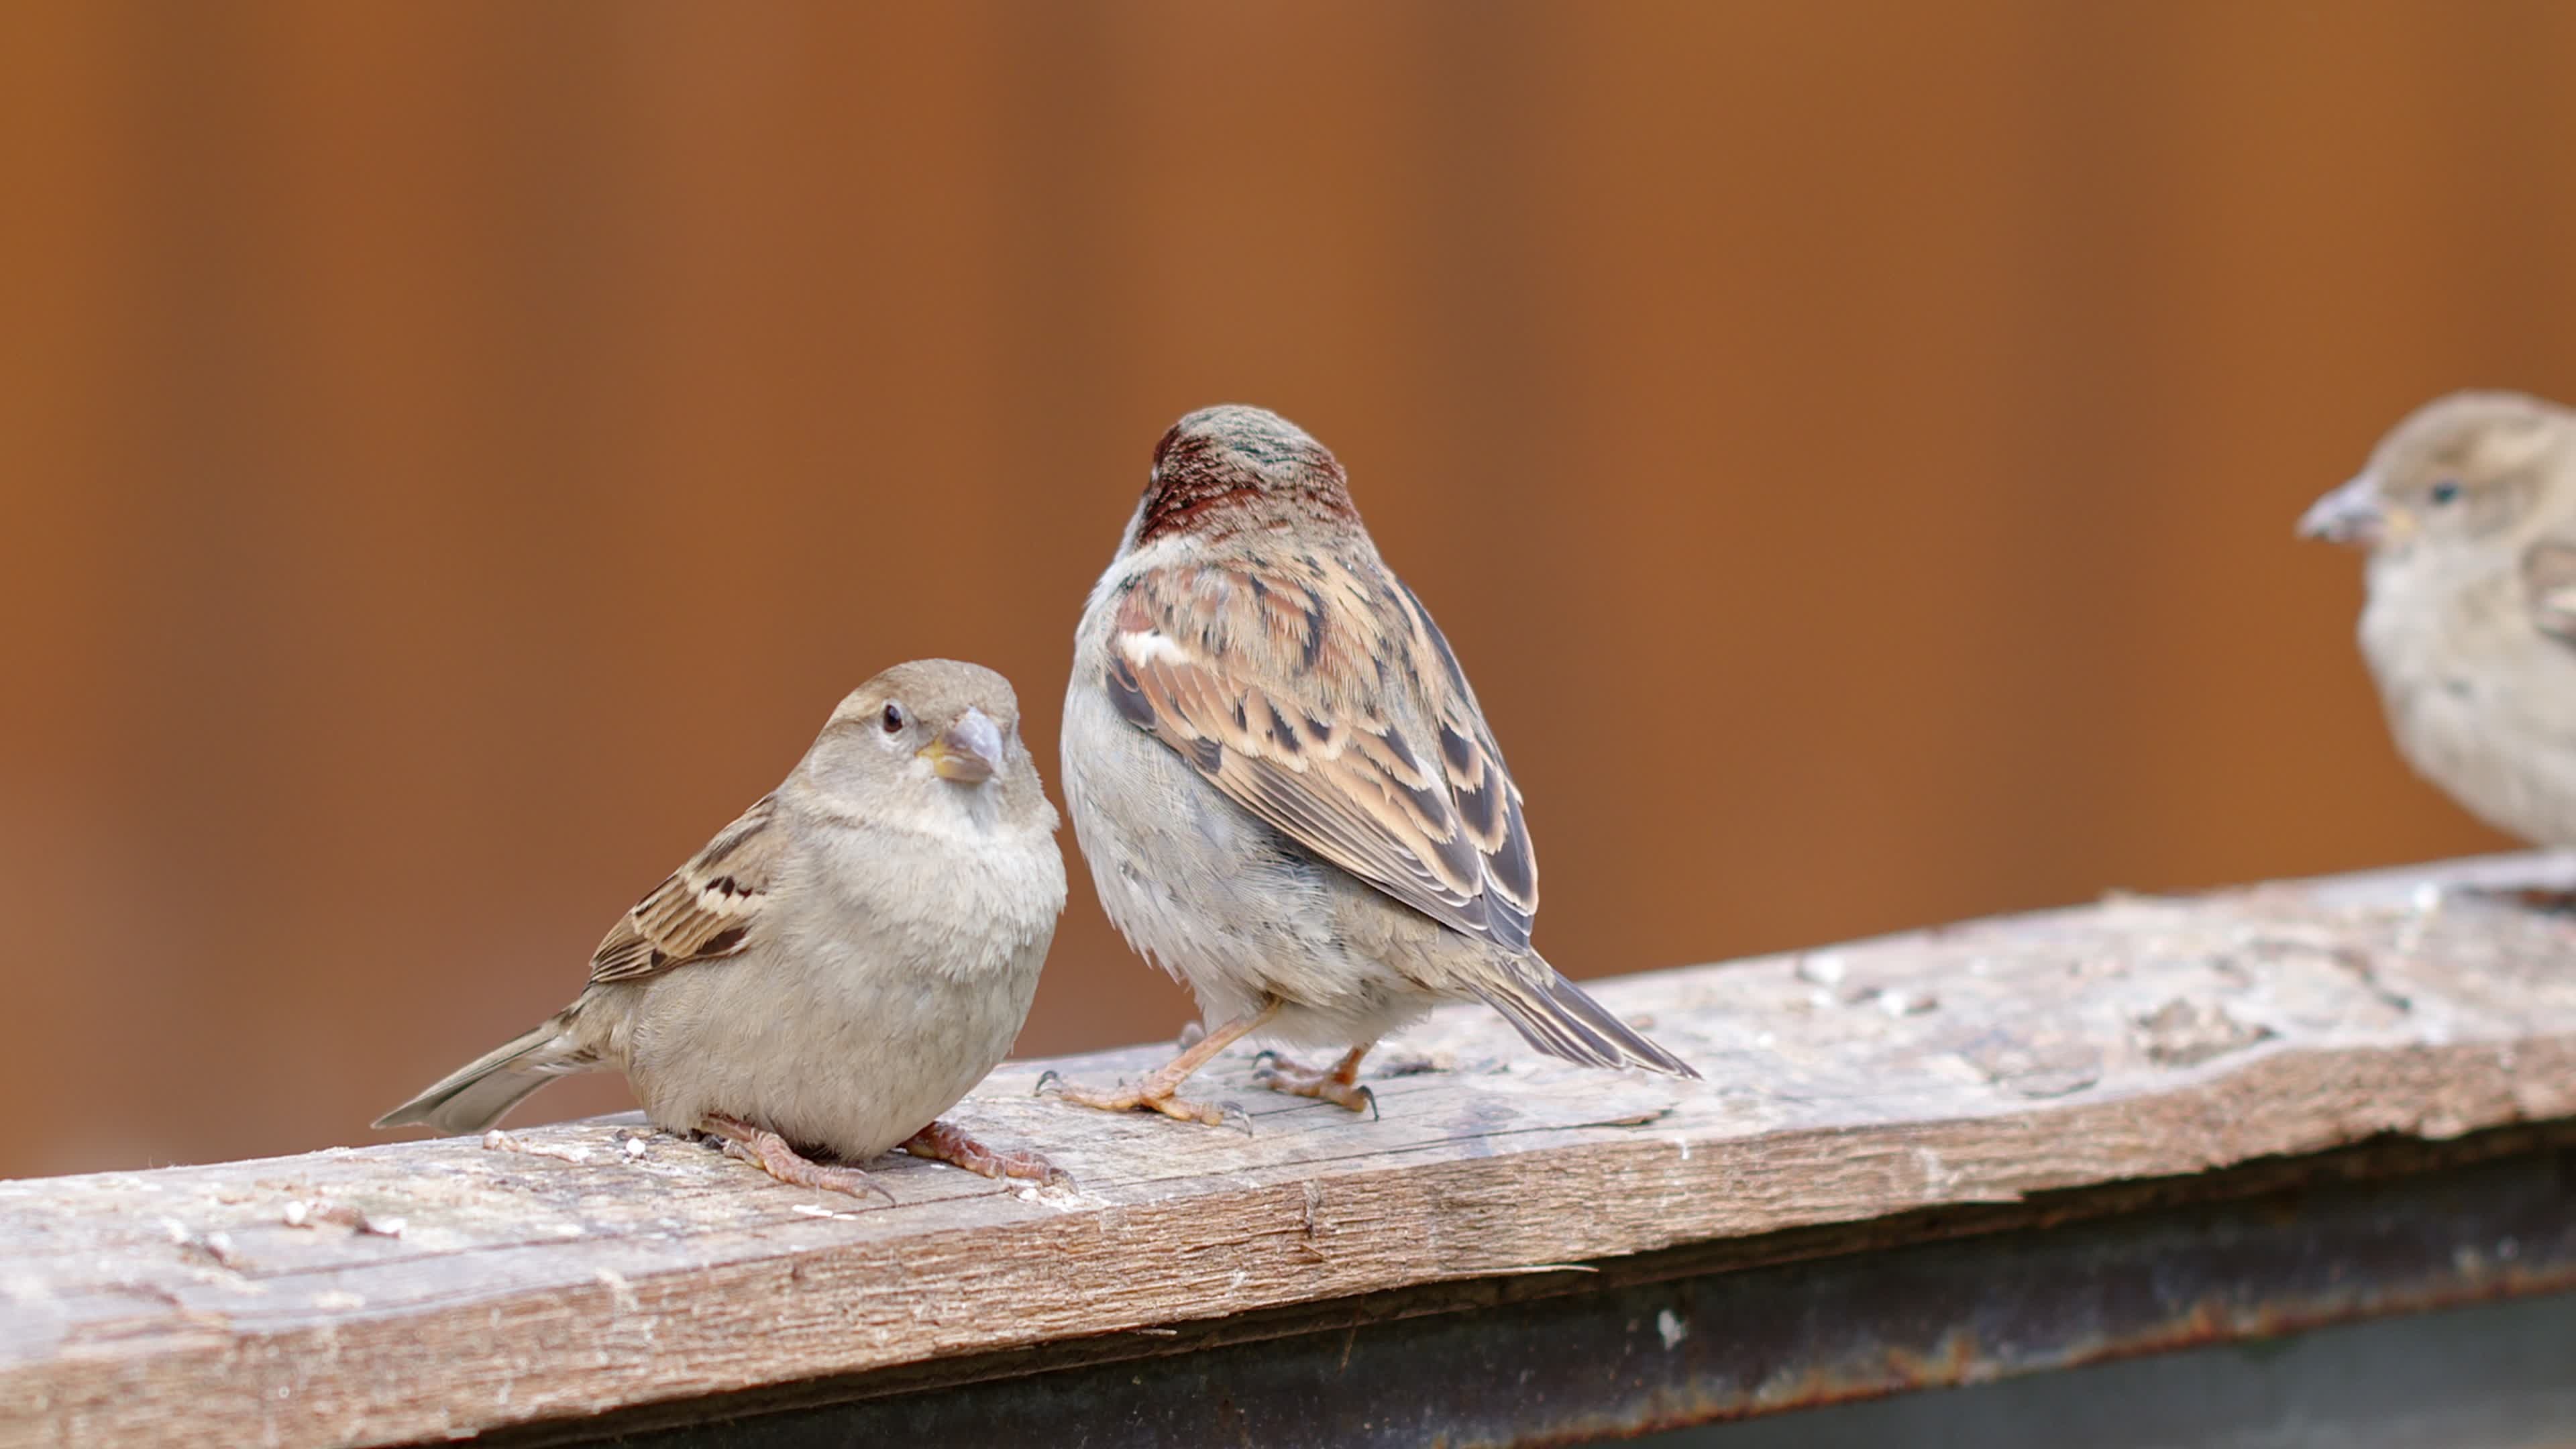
[
  {"x": 967, "y": 752},
  {"x": 2350, "y": 514}
]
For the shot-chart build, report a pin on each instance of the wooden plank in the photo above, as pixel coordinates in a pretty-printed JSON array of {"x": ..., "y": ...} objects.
[
  {"x": 2287, "y": 1254},
  {"x": 426, "y": 1289}
]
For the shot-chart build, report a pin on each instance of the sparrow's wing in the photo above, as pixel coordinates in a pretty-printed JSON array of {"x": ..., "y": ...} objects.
[
  {"x": 706, "y": 909},
  {"x": 2549, "y": 588},
  {"x": 1319, "y": 695}
]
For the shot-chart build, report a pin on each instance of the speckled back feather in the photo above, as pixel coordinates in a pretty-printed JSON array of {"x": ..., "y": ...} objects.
[
  {"x": 1305, "y": 715},
  {"x": 705, "y": 910}
]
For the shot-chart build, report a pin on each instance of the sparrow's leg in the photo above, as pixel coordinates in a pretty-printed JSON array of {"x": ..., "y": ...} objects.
[
  {"x": 1156, "y": 1092},
  {"x": 944, "y": 1143},
  {"x": 770, "y": 1153},
  {"x": 1339, "y": 1086}
]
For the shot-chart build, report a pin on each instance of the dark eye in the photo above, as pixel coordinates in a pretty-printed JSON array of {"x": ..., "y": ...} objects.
[
  {"x": 2446, "y": 490},
  {"x": 893, "y": 719}
]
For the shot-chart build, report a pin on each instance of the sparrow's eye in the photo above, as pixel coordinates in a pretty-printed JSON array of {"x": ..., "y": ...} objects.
[
  {"x": 2446, "y": 490},
  {"x": 893, "y": 719}
]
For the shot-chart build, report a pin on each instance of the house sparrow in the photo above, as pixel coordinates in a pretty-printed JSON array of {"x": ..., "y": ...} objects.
[
  {"x": 2468, "y": 510},
  {"x": 1285, "y": 788},
  {"x": 840, "y": 964}
]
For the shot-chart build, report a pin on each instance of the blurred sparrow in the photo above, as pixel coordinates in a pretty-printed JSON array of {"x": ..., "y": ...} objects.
[
  {"x": 1285, "y": 788},
  {"x": 2468, "y": 510},
  {"x": 839, "y": 965}
]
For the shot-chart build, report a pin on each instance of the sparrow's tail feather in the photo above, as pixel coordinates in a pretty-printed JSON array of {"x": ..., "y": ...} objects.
[
  {"x": 1555, "y": 1016},
  {"x": 474, "y": 1096}
]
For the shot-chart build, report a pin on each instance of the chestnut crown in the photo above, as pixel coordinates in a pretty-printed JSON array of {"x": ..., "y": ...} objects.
[{"x": 1228, "y": 468}]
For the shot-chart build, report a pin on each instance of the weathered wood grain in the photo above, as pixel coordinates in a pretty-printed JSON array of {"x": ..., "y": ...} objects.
[{"x": 425, "y": 1289}]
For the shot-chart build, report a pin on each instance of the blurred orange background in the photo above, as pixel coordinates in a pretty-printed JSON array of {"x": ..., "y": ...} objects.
[{"x": 456, "y": 455}]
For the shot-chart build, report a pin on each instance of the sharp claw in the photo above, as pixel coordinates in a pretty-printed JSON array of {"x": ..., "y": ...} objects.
[
  {"x": 1231, "y": 1114},
  {"x": 1265, "y": 1065},
  {"x": 1046, "y": 1079},
  {"x": 1371, "y": 1094}
]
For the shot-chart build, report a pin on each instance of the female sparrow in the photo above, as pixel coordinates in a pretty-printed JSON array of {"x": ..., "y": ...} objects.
[
  {"x": 1285, "y": 788},
  {"x": 2468, "y": 510},
  {"x": 839, "y": 965}
]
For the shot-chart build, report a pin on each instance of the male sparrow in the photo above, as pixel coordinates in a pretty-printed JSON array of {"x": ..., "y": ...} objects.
[
  {"x": 2468, "y": 510},
  {"x": 1285, "y": 788},
  {"x": 840, "y": 964}
]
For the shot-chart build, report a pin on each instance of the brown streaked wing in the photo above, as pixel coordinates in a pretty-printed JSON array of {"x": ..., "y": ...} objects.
[
  {"x": 705, "y": 910},
  {"x": 1275, "y": 690},
  {"x": 2549, "y": 588}
]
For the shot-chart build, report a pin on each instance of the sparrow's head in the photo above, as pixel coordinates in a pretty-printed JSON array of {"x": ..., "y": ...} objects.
[
  {"x": 1225, "y": 469},
  {"x": 935, "y": 735},
  {"x": 2464, "y": 468}
]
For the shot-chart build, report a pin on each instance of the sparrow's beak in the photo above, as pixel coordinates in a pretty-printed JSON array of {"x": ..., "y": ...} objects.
[
  {"x": 968, "y": 751},
  {"x": 2350, "y": 514}
]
